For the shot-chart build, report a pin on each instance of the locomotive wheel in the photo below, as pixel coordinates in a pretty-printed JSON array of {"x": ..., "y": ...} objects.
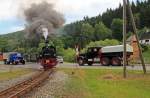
[
  {"x": 105, "y": 61},
  {"x": 116, "y": 61},
  {"x": 81, "y": 62},
  {"x": 90, "y": 63}
]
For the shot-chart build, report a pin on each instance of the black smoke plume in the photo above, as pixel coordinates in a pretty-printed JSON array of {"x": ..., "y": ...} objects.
[{"x": 42, "y": 20}]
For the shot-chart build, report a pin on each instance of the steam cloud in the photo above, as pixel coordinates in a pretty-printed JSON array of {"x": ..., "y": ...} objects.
[{"x": 42, "y": 19}]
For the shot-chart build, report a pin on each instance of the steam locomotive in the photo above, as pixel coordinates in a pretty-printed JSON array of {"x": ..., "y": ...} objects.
[{"x": 48, "y": 58}]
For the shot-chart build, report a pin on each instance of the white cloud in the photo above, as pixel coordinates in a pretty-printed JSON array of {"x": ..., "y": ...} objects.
[
  {"x": 72, "y": 9},
  {"x": 10, "y": 8},
  {"x": 77, "y": 9},
  {"x": 16, "y": 28},
  {"x": 6, "y": 9},
  {"x": 13, "y": 29}
]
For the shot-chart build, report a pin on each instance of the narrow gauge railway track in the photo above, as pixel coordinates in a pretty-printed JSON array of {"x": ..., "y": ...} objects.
[{"x": 22, "y": 88}]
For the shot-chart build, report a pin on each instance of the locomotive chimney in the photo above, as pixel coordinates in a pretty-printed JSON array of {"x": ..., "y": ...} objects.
[{"x": 46, "y": 43}]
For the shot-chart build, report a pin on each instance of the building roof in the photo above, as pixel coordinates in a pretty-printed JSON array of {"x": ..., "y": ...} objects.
[
  {"x": 145, "y": 35},
  {"x": 132, "y": 38},
  {"x": 129, "y": 39}
]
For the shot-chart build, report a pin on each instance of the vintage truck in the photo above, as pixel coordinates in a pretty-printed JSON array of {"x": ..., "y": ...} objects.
[
  {"x": 109, "y": 55},
  {"x": 13, "y": 58}
]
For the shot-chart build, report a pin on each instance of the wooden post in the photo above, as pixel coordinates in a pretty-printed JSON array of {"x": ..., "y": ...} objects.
[
  {"x": 135, "y": 32},
  {"x": 124, "y": 38}
]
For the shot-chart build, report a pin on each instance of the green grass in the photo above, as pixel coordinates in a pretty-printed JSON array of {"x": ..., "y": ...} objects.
[
  {"x": 147, "y": 56},
  {"x": 14, "y": 74},
  {"x": 104, "y": 83}
]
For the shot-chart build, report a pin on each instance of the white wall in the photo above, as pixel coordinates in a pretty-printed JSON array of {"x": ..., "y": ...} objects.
[{"x": 145, "y": 41}]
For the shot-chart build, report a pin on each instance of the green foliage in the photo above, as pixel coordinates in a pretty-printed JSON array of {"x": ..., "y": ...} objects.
[
  {"x": 32, "y": 50},
  {"x": 69, "y": 55},
  {"x": 102, "y": 32},
  {"x": 117, "y": 27},
  {"x": 86, "y": 34},
  {"x": 20, "y": 50},
  {"x": 58, "y": 43},
  {"x": 11, "y": 42},
  {"x": 106, "y": 42},
  {"x": 146, "y": 55},
  {"x": 145, "y": 48},
  {"x": 101, "y": 43},
  {"x": 3, "y": 45},
  {"x": 87, "y": 31}
]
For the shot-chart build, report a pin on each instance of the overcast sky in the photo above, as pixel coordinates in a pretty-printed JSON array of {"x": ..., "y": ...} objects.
[{"x": 11, "y": 11}]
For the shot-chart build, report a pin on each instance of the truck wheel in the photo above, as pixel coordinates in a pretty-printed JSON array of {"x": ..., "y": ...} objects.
[
  {"x": 116, "y": 61},
  {"x": 15, "y": 63},
  {"x": 90, "y": 63},
  {"x": 22, "y": 62},
  {"x": 105, "y": 61},
  {"x": 7, "y": 62},
  {"x": 81, "y": 62}
]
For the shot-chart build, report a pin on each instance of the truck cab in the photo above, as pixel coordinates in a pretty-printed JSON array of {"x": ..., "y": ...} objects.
[
  {"x": 14, "y": 58},
  {"x": 89, "y": 56}
]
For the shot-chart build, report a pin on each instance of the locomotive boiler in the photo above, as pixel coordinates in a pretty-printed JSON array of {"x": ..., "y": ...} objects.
[{"x": 48, "y": 58}]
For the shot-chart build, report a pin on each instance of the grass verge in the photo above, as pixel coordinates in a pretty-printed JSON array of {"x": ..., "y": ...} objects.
[
  {"x": 147, "y": 56},
  {"x": 105, "y": 83},
  {"x": 14, "y": 74}
]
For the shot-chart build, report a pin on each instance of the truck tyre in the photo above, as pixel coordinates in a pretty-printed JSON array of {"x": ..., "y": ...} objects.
[
  {"x": 116, "y": 61},
  {"x": 7, "y": 62},
  {"x": 15, "y": 63},
  {"x": 81, "y": 62},
  {"x": 90, "y": 63},
  {"x": 23, "y": 62},
  {"x": 105, "y": 61}
]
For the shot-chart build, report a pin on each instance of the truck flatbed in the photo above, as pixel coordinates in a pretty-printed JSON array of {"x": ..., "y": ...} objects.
[{"x": 117, "y": 48}]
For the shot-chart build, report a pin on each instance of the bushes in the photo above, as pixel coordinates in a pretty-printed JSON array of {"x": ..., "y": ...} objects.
[
  {"x": 106, "y": 42},
  {"x": 69, "y": 55},
  {"x": 146, "y": 53},
  {"x": 145, "y": 48}
]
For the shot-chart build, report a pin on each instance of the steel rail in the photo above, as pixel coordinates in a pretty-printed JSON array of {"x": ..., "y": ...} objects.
[{"x": 22, "y": 88}]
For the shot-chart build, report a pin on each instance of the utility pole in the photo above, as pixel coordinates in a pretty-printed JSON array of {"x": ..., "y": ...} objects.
[
  {"x": 136, "y": 35},
  {"x": 124, "y": 37}
]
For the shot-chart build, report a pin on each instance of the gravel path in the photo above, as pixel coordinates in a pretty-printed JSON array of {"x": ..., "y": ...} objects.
[
  {"x": 6, "y": 68},
  {"x": 52, "y": 88},
  {"x": 4, "y": 84}
]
